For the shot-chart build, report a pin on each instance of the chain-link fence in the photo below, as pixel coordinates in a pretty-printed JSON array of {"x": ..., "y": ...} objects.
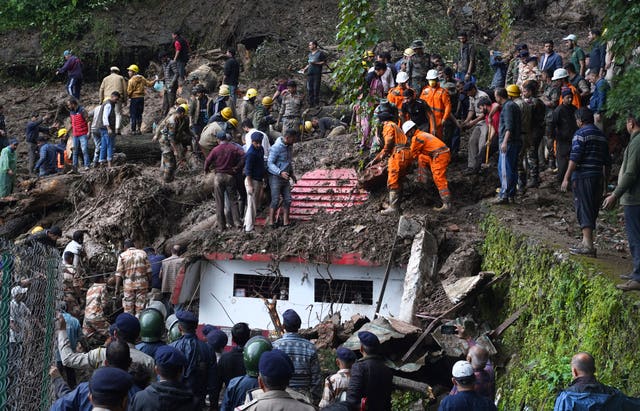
[{"x": 28, "y": 296}]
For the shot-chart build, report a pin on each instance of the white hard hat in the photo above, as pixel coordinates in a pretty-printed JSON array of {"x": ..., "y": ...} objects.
[
  {"x": 402, "y": 77},
  {"x": 559, "y": 73},
  {"x": 571, "y": 37},
  {"x": 408, "y": 125},
  {"x": 432, "y": 75}
]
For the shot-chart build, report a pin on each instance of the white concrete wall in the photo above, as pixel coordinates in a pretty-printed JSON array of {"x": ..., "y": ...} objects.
[{"x": 225, "y": 309}]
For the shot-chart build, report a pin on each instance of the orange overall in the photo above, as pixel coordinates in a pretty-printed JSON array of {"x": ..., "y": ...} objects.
[
  {"x": 397, "y": 148},
  {"x": 395, "y": 96},
  {"x": 577, "y": 103},
  {"x": 431, "y": 151},
  {"x": 438, "y": 100}
]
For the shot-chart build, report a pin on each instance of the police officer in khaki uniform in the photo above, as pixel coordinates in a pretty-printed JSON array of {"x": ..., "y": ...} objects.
[
  {"x": 291, "y": 108},
  {"x": 275, "y": 369}
]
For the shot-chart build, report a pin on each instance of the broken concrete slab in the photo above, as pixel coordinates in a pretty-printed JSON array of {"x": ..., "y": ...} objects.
[
  {"x": 384, "y": 329},
  {"x": 420, "y": 274},
  {"x": 457, "y": 289},
  {"x": 408, "y": 227}
]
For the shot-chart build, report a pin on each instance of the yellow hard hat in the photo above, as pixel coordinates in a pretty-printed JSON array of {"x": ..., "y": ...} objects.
[
  {"x": 408, "y": 52},
  {"x": 185, "y": 106},
  {"x": 308, "y": 126},
  {"x": 180, "y": 101},
  {"x": 36, "y": 229},
  {"x": 513, "y": 90},
  {"x": 251, "y": 93},
  {"x": 62, "y": 132},
  {"x": 233, "y": 122},
  {"x": 226, "y": 113},
  {"x": 133, "y": 68},
  {"x": 224, "y": 90},
  {"x": 267, "y": 101}
]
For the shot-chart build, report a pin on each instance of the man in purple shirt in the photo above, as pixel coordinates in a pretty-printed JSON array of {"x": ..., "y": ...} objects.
[
  {"x": 227, "y": 160},
  {"x": 73, "y": 67}
]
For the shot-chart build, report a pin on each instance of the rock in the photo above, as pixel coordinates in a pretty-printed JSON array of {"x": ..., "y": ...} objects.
[
  {"x": 204, "y": 75},
  {"x": 453, "y": 228},
  {"x": 353, "y": 325},
  {"x": 408, "y": 228},
  {"x": 462, "y": 262}
]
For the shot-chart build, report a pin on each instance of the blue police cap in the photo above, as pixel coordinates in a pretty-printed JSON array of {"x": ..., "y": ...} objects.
[
  {"x": 168, "y": 356},
  {"x": 468, "y": 86},
  {"x": 345, "y": 354},
  {"x": 128, "y": 324},
  {"x": 217, "y": 339},
  {"x": 256, "y": 136},
  {"x": 275, "y": 364},
  {"x": 187, "y": 317},
  {"x": 108, "y": 383},
  {"x": 368, "y": 339},
  {"x": 291, "y": 320}
]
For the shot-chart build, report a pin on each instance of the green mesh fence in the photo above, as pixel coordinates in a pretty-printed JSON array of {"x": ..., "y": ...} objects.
[{"x": 30, "y": 289}]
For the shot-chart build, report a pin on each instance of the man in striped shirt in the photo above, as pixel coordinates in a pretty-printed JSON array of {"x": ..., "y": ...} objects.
[
  {"x": 589, "y": 164},
  {"x": 306, "y": 377}
]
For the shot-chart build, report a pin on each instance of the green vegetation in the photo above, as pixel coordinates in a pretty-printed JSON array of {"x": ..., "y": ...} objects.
[
  {"x": 403, "y": 400},
  {"x": 569, "y": 308},
  {"x": 61, "y": 23},
  {"x": 623, "y": 30},
  {"x": 356, "y": 33}
]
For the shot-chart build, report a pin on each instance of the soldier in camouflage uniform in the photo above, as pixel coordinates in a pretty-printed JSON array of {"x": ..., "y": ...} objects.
[
  {"x": 263, "y": 119},
  {"x": 338, "y": 383},
  {"x": 420, "y": 64},
  {"x": 551, "y": 98},
  {"x": 134, "y": 268},
  {"x": 174, "y": 138},
  {"x": 71, "y": 285},
  {"x": 291, "y": 108},
  {"x": 95, "y": 326}
]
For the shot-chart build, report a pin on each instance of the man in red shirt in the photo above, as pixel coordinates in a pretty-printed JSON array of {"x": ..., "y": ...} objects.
[
  {"x": 80, "y": 131},
  {"x": 181, "y": 45},
  {"x": 491, "y": 113},
  {"x": 227, "y": 159}
]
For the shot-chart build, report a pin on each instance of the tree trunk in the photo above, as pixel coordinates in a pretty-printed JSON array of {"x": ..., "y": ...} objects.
[{"x": 139, "y": 149}]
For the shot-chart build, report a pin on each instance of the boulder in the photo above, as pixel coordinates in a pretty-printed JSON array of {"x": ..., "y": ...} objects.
[
  {"x": 203, "y": 75},
  {"x": 464, "y": 261}
]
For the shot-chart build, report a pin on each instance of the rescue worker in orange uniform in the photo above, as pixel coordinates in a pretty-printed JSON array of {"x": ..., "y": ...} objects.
[
  {"x": 561, "y": 78},
  {"x": 396, "y": 149},
  {"x": 430, "y": 151},
  {"x": 396, "y": 94},
  {"x": 437, "y": 98}
]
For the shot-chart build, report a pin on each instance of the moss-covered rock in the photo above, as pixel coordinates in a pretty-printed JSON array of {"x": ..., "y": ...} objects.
[{"x": 570, "y": 307}]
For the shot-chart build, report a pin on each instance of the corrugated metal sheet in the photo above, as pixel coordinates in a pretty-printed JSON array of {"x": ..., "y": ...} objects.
[{"x": 326, "y": 191}]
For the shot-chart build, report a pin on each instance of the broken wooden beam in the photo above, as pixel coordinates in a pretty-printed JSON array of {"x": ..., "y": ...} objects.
[
  {"x": 430, "y": 328},
  {"x": 407, "y": 384},
  {"x": 507, "y": 323}
]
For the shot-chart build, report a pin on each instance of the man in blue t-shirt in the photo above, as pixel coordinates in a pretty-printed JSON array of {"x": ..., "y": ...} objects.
[{"x": 155, "y": 259}]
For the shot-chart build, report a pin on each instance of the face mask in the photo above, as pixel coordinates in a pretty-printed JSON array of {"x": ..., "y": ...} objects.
[{"x": 432, "y": 83}]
